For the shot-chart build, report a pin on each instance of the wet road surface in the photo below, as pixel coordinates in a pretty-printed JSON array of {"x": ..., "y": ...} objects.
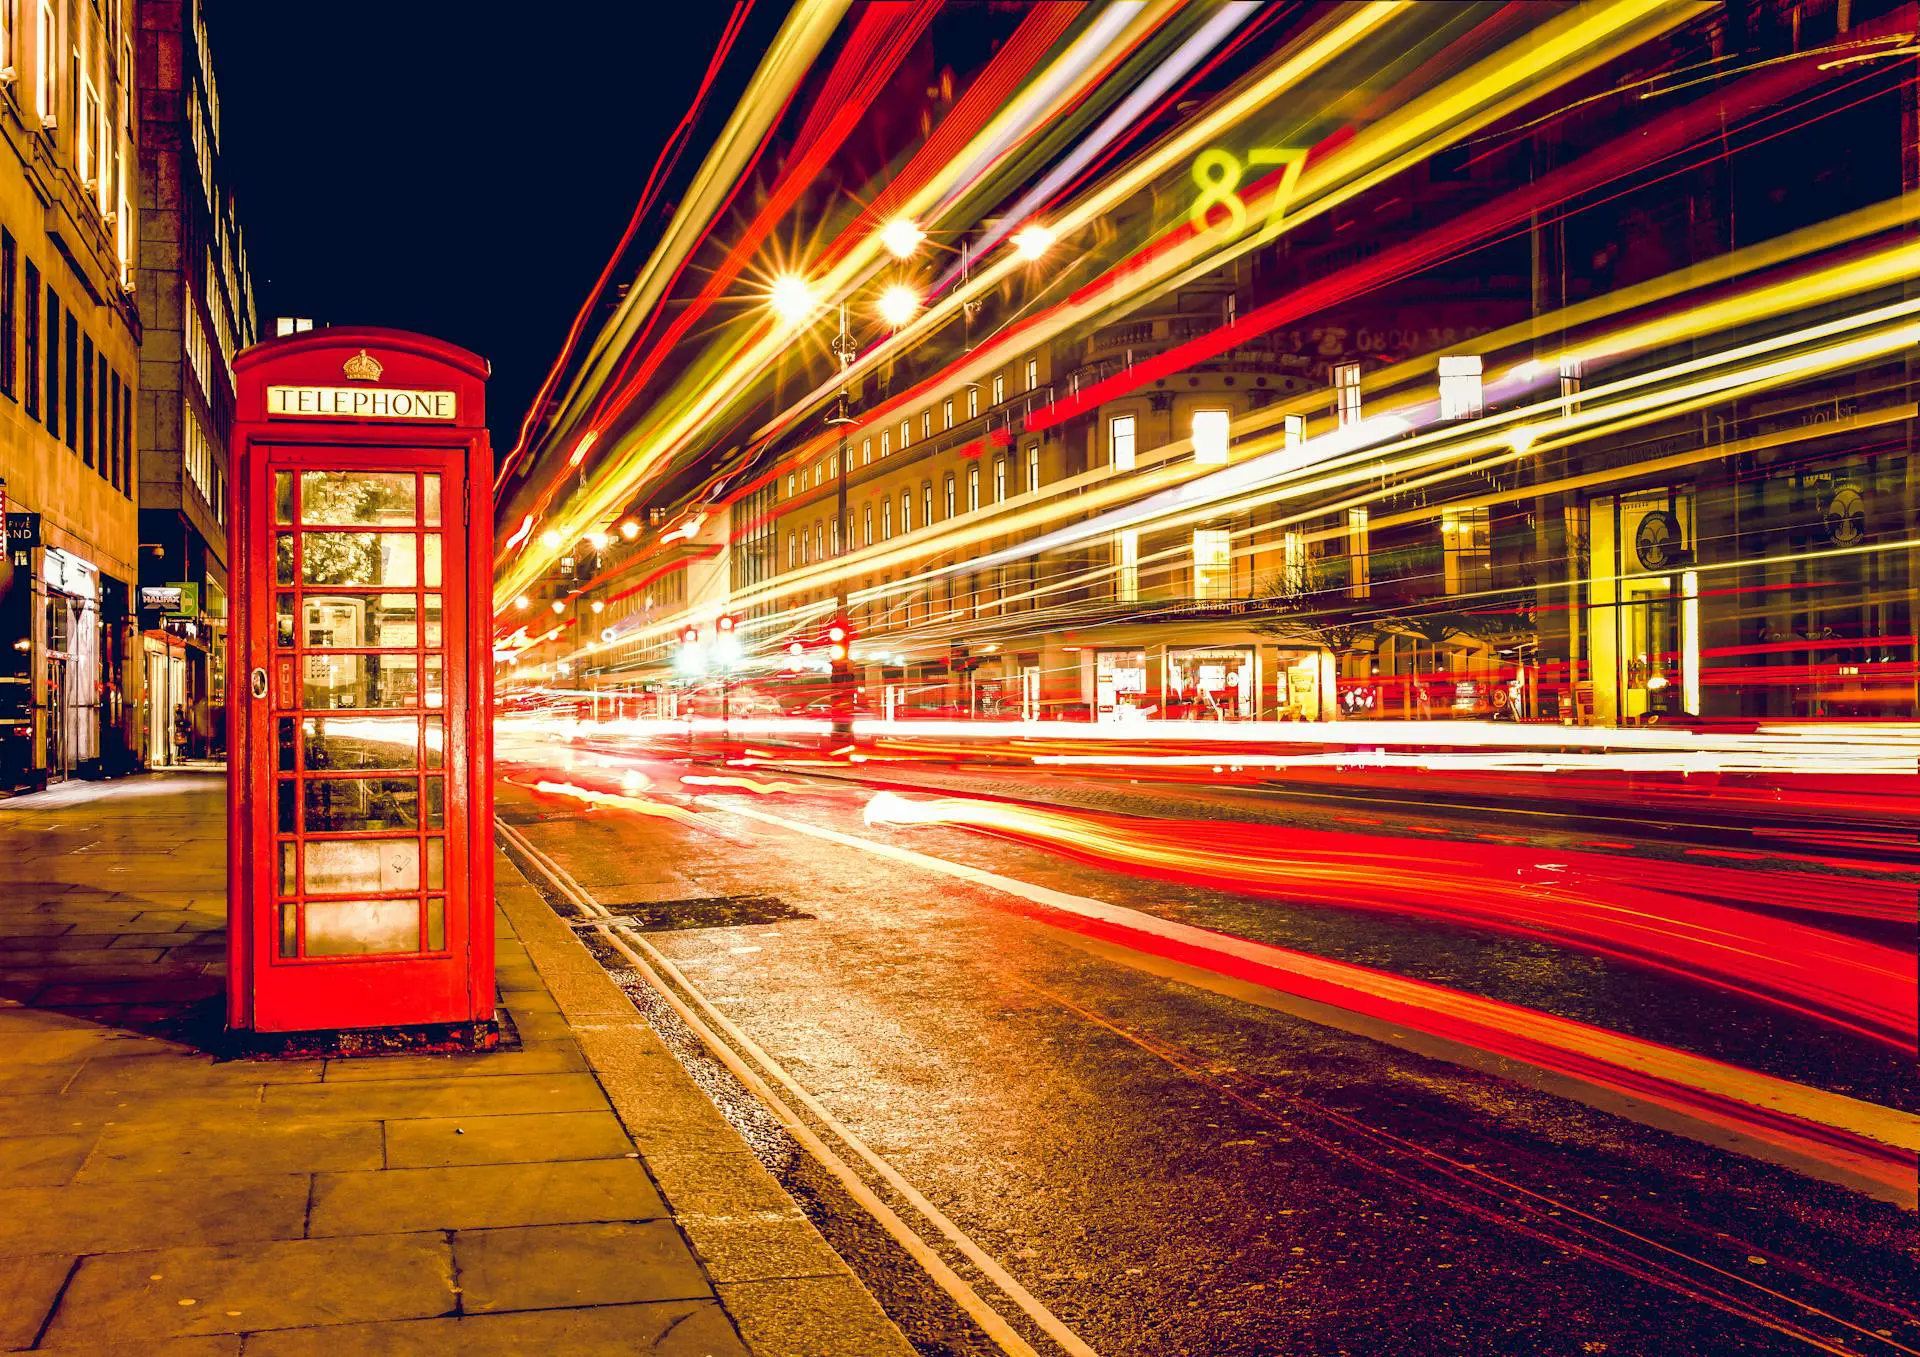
[{"x": 1172, "y": 1167}]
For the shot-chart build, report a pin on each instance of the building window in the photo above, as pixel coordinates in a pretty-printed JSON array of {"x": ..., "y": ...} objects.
[
  {"x": 1466, "y": 549},
  {"x": 87, "y": 404},
  {"x": 886, "y": 443},
  {"x": 906, "y": 433},
  {"x": 53, "y": 361},
  {"x": 1120, "y": 434},
  {"x": 1212, "y": 564},
  {"x": 1033, "y": 374},
  {"x": 833, "y": 537},
  {"x": 30, "y": 342},
  {"x": 999, "y": 387},
  {"x": 1359, "y": 554},
  {"x": 1126, "y": 559},
  {"x": 946, "y": 409},
  {"x": 1210, "y": 437},
  {"x": 886, "y": 519},
  {"x": 819, "y": 543},
  {"x": 46, "y": 87},
  {"x": 926, "y": 424},
  {"x": 973, "y": 488},
  {"x": 1294, "y": 430},
  {"x": 1033, "y": 469},
  {"x": 127, "y": 433},
  {"x": 906, "y": 511},
  {"x": 949, "y": 489},
  {"x": 790, "y": 485},
  {"x": 999, "y": 479},
  {"x": 926, "y": 505},
  {"x": 866, "y": 451},
  {"x": 973, "y": 400},
  {"x": 115, "y": 450},
  {"x": 868, "y": 534},
  {"x": 73, "y": 381},
  {"x": 1460, "y": 392},
  {"x": 1572, "y": 374},
  {"x": 9, "y": 267},
  {"x": 1346, "y": 394}
]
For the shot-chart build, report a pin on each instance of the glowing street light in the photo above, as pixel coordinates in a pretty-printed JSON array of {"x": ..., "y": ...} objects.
[
  {"x": 901, "y": 237},
  {"x": 550, "y": 539},
  {"x": 559, "y": 605},
  {"x": 629, "y": 529},
  {"x": 792, "y": 298},
  {"x": 598, "y": 604},
  {"x": 897, "y": 305},
  {"x": 523, "y": 603},
  {"x": 1030, "y": 242},
  {"x": 597, "y": 540}
]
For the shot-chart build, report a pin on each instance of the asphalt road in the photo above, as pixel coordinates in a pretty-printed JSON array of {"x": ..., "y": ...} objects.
[{"x": 1182, "y": 1165}]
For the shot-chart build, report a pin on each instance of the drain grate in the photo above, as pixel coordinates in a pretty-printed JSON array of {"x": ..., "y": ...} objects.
[{"x": 701, "y": 911}]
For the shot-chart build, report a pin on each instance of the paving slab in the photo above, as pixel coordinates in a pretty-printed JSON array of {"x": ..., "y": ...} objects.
[
  {"x": 110, "y": 1217},
  {"x": 149, "y": 1150},
  {"x": 483, "y": 1196},
  {"x": 28, "y": 1288},
  {"x": 433, "y": 1142},
  {"x": 282, "y": 1284},
  {"x": 812, "y": 1317},
  {"x": 664, "y": 1329},
  {"x": 558, "y": 1266}
]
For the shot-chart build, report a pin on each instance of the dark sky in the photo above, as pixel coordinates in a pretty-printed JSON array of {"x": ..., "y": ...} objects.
[{"x": 417, "y": 164}]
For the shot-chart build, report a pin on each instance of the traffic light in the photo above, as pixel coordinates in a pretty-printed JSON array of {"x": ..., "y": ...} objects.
[
  {"x": 796, "y": 648},
  {"x": 837, "y": 634},
  {"x": 690, "y": 636},
  {"x": 725, "y": 625}
]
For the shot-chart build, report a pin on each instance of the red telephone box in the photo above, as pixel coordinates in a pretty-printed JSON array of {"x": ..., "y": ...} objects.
[{"x": 360, "y": 855}]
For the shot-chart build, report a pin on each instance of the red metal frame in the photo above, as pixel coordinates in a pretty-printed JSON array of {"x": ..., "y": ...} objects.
[{"x": 269, "y": 990}]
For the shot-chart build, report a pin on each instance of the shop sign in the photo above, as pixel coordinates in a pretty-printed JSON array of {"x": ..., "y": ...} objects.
[
  {"x": 23, "y": 535},
  {"x": 160, "y": 598},
  {"x": 189, "y": 597}
]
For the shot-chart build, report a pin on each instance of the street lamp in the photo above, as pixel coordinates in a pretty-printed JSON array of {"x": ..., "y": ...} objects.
[
  {"x": 1033, "y": 240},
  {"x": 792, "y": 298},
  {"x": 897, "y": 305},
  {"x": 901, "y": 237}
]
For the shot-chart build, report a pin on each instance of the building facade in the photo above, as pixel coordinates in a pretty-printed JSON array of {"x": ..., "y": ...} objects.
[
  {"x": 70, "y": 689},
  {"x": 196, "y": 296}
]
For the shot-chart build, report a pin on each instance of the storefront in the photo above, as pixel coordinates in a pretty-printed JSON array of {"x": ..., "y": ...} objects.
[
  {"x": 71, "y": 682},
  {"x": 1211, "y": 684},
  {"x": 1120, "y": 685}
]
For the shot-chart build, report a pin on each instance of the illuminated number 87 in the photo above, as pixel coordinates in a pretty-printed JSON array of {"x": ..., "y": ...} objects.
[{"x": 1217, "y": 173}]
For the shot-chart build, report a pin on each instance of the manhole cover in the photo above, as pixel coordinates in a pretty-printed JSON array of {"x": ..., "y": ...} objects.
[{"x": 702, "y": 911}]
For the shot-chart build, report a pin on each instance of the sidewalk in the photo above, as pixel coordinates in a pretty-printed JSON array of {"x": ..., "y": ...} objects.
[{"x": 578, "y": 1194}]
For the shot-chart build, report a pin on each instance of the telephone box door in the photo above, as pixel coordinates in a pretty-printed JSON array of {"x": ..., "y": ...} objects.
[{"x": 357, "y": 694}]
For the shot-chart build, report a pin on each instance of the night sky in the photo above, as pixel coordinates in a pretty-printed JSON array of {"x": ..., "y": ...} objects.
[{"x": 405, "y": 164}]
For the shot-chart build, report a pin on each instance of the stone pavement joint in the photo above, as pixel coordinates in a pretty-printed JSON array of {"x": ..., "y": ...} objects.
[{"x": 578, "y": 1194}]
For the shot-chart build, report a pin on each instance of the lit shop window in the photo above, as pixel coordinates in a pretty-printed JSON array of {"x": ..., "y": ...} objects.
[
  {"x": 1210, "y": 437},
  {"x": 1033, "y": 469},
  {"x": 1126, "y": 577},
  {"x": 1212, "y": 563},
  {"x": 1359, "y": 557},
  {"x": 1120, "y": 436},
  {"x": 1464, "y": 540},
  {"x": 1460, "y": 396},
  {"x": 1346, "y": 394}
]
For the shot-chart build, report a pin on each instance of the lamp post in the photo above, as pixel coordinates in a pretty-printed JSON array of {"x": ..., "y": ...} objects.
[{"x": 841, "y": 695}]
